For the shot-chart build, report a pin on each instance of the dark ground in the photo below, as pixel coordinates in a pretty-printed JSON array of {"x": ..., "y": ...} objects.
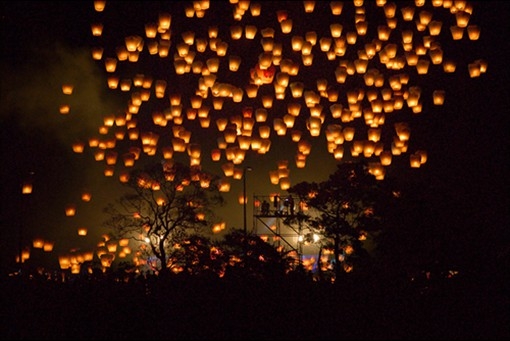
[{"x": 178, "y": 309}]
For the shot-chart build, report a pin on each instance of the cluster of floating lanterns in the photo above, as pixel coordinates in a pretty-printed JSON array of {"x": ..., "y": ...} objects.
[
  {"x": 336, "y": 70},
  {"x": 364, "y": 80}
]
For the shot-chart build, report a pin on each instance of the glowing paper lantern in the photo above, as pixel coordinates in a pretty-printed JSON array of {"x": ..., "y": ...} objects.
[
  {"x": 67, "y": 89},
  {"x": 473, "y": 32},
  {"x": 107, "y": 260},
  {"x": 48, "y": 246},
  {"x": 438, "y": 97},
  {"x": 37, "y": 243},
  {"x": 99, "y": 5},
  {"x": 26, "y": 188},
  {"x": 462, "y": 18},
  {"x": 70, "y": 210},
  {"x": 86, "y": 196},
  {"x": 64, "y": 262},
  {"x": 64, "y": 109},
  {"x": 415, "y": 160},
  {"x": 285, "y": 183}
]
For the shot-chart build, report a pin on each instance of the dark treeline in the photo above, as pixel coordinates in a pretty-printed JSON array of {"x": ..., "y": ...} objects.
[{"x": 192, "y": 307}]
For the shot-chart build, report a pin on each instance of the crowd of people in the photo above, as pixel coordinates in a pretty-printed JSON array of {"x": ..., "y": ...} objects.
[{"x": 281, "y": 207}]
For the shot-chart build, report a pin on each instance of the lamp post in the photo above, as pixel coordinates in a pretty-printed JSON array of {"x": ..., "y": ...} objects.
[{"x": 244, "y": 198}]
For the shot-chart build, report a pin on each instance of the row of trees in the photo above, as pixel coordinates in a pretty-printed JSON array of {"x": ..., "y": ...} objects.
[{"x": 170, "y": 211}]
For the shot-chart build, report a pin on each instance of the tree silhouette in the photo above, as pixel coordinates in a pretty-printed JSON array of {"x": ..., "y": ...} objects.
[
  {"x": 345, "y": 210},
  {"x": 166, "y": 204},
  {"x": 248, "y": 257}
]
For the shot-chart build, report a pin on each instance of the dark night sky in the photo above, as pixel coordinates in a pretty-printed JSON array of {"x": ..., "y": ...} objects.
[{"x": 46, "y": 44}]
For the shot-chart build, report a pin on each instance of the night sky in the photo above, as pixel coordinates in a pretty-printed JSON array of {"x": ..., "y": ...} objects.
[{"x": 48, "y": 44}]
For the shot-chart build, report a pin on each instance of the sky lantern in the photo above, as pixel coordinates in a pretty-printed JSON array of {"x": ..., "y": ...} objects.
[
  {"x": 67, "y": 89},
  {"x": 304, "y": 147},
  {"x": 37, "y": 243},
  {"x": 86, "y": 196},
  {"x": 300, "y": 160},
  {"x": 336, "y": 7},
  {"x": 113, "y": 81},
  {"x": 64, "y": 262},
  {"x": 283, "y": 173},
  {"x": 374, "y": 134},
  {"x": 422, "y": 154},
  {"x": 415, "y": 161},
  {"x": 133, "y": 42},
  {"x": 101, "y": 250},
  {"x": 224, "y": 185},
  {"x": 474, "y": 70},
  {"x": 48, "y": 246},
  {"x": 133, "y": 56},
  {"x": 336, "y": 30},
  {"x": 124, "y": 177},
  {"x": 189, "y": 11},
  {"x": 385, "y": 157},
  {"x": 25, "y": 255},
  {"x": 123, "y": 242},
  {"x": 64, "y": 109},
  {"x": 403, "y": 131},
  {"x": 422, "y": 67},
  {"x": 205, "y": 122},
  {"x": 70, "y": 210},
  {"x": 368, "y": 148},
  {"x": 263, "y": 72},
  {"x": 163, "y": 48},
  {"x": 26, "y": 187},
  {"x": 307, "y": 59},
  {"x": 285, "y": 183},
  {"x": 274, "y": 177},
  {"x": 348, "y": 133},
  {"x": 482, "y": 64},
  {"x": 99, "y": 5},
  {"x": 286, "y": 25},
  {"x": 109, "y": 171},
  {"x": 435, "y": 27},
  {"x": 248, "y": 123},
  {"x": 111, "y": 245},
  {"x": 125, "y": 86},
  {"x": 164, "y": 21},
  {"x": 407, "y": 13},
  {"x": 309, "y": 6},
  {"x": 462, "y": 18},
  {"x": 110, "y": 64},
  {"x": 438, "y": 97},
  {"x": 449, "y": 66},
  {"x": 473, "y": 32},
  {"x": 457, "y": 32},
  {"x": 122, "y": 53},
  {"x": 97, "y": 29},
  {"x": 99, "y": 155},
  {"x": 111, "y": 157},
  {"x": 87, "y": 256},
  {"x": 377, "y": 169},
  {"x": 242, "y": 199},
  {"x": 228, "y": 168},
  {"x": 128, "y": 159},
  {"x": 436, "y": 55},
  {"x": 107, "y": 260},
  {"x": 151, "y": 30}
]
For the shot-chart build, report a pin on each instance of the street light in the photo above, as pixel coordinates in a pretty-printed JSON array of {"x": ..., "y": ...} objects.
[{"x": 248, "y": 168}]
